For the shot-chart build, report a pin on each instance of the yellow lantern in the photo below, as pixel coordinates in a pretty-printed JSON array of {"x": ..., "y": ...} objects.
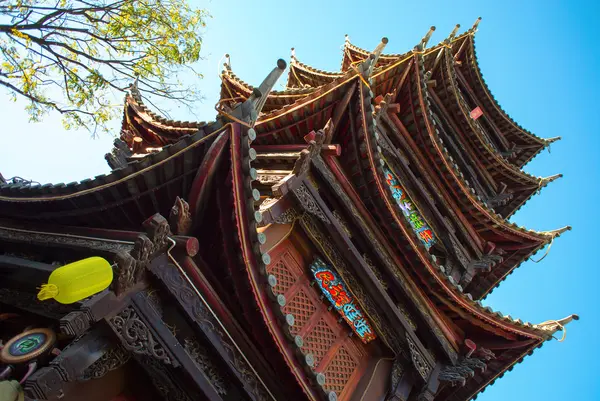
[{"x": 76, "y": 281}]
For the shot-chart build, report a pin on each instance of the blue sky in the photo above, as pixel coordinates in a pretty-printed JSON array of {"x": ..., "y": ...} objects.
[{"x": 540, "y": 58}]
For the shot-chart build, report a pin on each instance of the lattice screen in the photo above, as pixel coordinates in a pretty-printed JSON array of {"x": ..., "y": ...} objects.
[{"x": 336, "y": 355}]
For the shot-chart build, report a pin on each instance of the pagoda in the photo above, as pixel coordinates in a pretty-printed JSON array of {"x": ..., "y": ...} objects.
[{"x": 331, "y": 241}]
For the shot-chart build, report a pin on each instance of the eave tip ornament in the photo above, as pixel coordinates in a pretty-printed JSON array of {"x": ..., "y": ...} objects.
[{"x": 76, "y": 281}]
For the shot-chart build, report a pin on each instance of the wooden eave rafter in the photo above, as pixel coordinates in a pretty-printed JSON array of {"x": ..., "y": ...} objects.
[
  {"x": 532, "y": 144},
  {"x": 126, "y": 196},
  {"x": 304, "y": 76},
  {"x": 254, "y": 262},
  {"x": 235, "y": 90},
  {"x": 449, "y": 292},
  {"x": 482, "y": 215},
  {"x": 424, "y": 257},
  {"x": 155, "y": 130},
  {"x": 522, "y": 185}
]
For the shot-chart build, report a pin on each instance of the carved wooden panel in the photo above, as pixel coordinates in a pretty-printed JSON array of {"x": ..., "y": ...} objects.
[{"x": 335, "y": 353}]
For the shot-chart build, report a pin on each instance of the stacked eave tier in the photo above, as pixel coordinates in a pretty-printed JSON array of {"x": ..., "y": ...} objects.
[{"x": 122, "y": 199}]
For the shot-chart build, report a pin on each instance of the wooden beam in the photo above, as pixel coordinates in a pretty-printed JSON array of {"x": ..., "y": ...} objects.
[{"x": 339, "y": 112}]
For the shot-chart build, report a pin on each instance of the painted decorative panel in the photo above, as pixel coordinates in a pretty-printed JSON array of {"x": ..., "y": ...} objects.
[
  {"x": 410, "y": 212},
  {"x": 336, "y": 292}
]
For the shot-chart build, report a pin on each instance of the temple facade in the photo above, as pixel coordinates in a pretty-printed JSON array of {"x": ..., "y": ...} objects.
[{"x": 331, "y": 241}]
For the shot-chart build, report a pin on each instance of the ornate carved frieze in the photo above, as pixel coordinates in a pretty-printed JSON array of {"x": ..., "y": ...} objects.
[
  {"x": 375, "y": 271},
  {"x": 382, "y": 252},
  {"x": 111, "y": 360},
  {"x": 163, "y": 380},
  {"x": 308, "y": 203},
  {"x": 199, "y": 313},
  {"x": 302, "y": 165},
  {"x": 326, "y": 247},
  {"x": 421, "y": 364},
  {"x": 342, "y": 222},
  {"x": 203, "y": 360},
  {"x": 180, "y": 219},
  {"x": 131, "y": 266},
  {"x": 136, "y": 337},
  {"x": 287, "y": 217},
  {"x": 462, "y": 371}
]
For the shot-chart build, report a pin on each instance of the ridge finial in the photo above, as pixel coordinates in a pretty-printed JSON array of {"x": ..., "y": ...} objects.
[
  {"x": 249, "y": 110},
  {"x": 454, "y": 32},
  {"x": 368, "y": 65},
  {"x": 476, "y": 24},
  {"x": 426, "y": 38}
]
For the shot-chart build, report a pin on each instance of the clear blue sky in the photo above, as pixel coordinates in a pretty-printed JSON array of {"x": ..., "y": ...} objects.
[{"x": 540, "y": 59}]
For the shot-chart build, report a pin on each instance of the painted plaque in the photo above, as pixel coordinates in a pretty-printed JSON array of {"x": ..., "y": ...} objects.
[
  {"x": 336, "y": 292},
  {"x": 410, "y": 212},
  {"x": 476, "y": 113}
]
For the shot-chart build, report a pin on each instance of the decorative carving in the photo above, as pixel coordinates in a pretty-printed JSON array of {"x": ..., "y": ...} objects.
[
  {"x": 179, "y": 218},
  {"x": 269, "y": 179},
  {"x": 397, "y": 371},
  {"x": 163, "y": 380},
  {"x": 308, "y": 203},
  {"x": 125, "y": 272},
  {"x": 136, "y": 336},
  {"x": 157, "y": 228},
  {"x": 462, "y": 371},
  {"x": 131, "y": 266},
  {"x": 342, "y": 222},
  {"x": 197, "y": 311},
  {"x": 287, "y": 217},
  {"x": 203, "y": 361},
  {"x": 382, "y": 253},
  {"x": 327, "y": 248},
  {"x": 375, "y": 271},
  {"x": 302, "y": 165},
  {"x": 407, "y": 316},
  {"x": 111, "y": 360},
  {"x": 421, "y": 364}
]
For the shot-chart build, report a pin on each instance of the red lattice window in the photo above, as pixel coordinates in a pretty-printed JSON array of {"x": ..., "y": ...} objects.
[
  {"x": 319, "y": 341},
  {"x": 341, "y": 358},
  {"x": 302, "y": 308},
  {"x": 339, "y": 371}
]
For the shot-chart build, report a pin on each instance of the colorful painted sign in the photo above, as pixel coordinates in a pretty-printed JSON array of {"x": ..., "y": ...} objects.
[
  {"x": 336, "y": 292},
  {"x": 410, "y": 212}
]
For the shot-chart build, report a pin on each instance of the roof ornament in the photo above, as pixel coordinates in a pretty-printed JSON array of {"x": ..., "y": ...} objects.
[
  {"x": 248, "y": 111},
  {"x": 454, "y": 32},
  {"x": 227, "y": 63},
  {"x": 547, "y": 180},
  {"x": 423, "y": 43},
  {"x": 293, "y": 56},
  {"x": 552, "y": 326},
  {"x": 367, "y": 66},
  {"x": 475, "y": 25},
  {"x": 553, "y": 235}
]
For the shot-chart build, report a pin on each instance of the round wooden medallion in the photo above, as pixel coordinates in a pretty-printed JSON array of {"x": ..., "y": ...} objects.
[{"x": 27, "y": 346}]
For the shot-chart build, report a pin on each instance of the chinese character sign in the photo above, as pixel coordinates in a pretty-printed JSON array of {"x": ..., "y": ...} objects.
[
  {"x": 336, "y": 292},
  {"x": 409, "y": 211}
]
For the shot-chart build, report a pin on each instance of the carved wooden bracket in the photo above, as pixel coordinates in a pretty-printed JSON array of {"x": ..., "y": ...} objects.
[{"x": 180, "y": 218}]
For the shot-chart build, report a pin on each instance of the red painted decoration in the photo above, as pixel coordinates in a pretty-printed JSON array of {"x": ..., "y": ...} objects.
[{"x": 476, "y": 113}]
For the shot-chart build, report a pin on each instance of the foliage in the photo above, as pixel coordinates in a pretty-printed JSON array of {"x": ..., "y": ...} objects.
[{"x": 71, "y": 55}]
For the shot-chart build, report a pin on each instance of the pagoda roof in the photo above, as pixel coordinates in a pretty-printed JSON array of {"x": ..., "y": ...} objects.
[
  {"x": 519, "y": 183},
  {"x": 511, "y": 130},
  {"x": 302, "y": 75}
]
